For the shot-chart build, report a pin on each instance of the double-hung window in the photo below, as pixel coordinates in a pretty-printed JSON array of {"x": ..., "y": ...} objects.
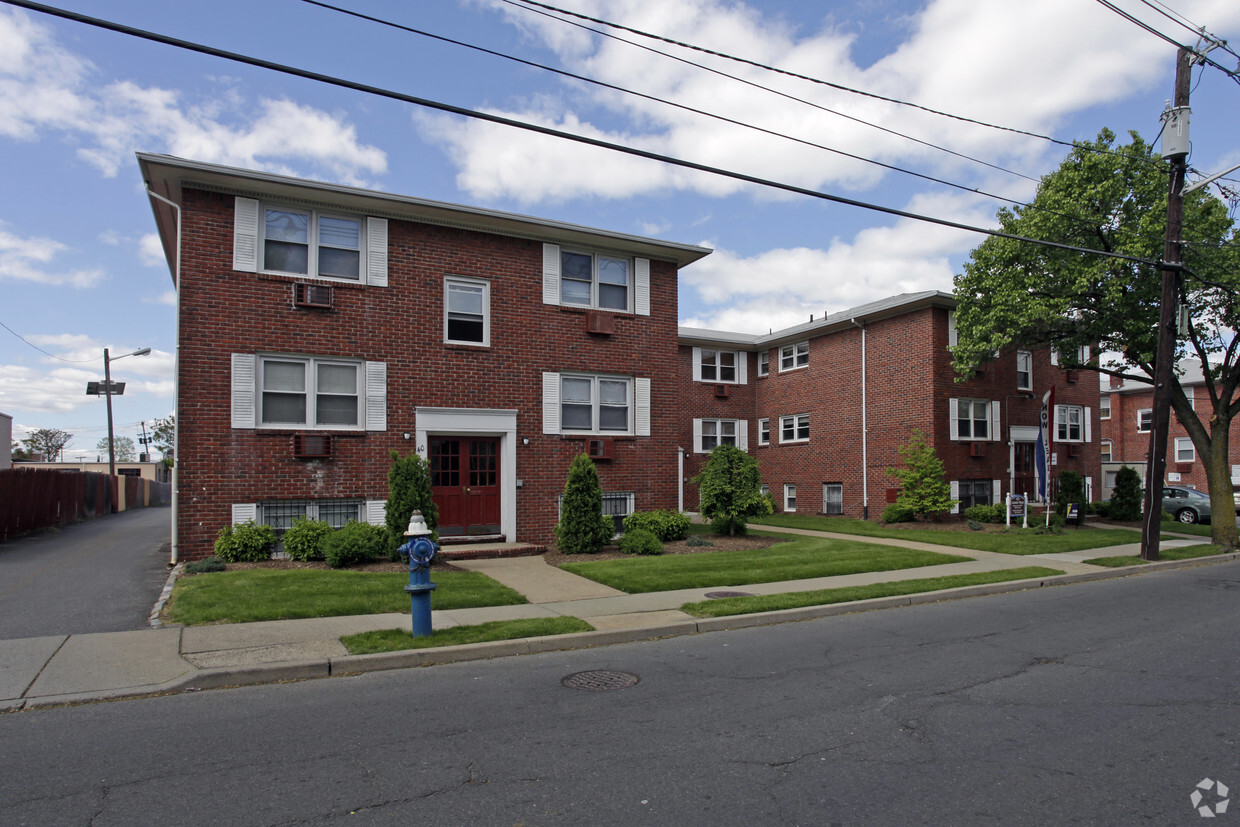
[
  {"x": 1104, "y": 406},
  {"x": 764, "y": 431},
  {"x": 467, "y": 311},
  {"x": 718, "y": 432},
  {"x": 972, "y": 419},
  {"x": 795, "y": 356},
  {"x": 794, "y": 428},
  {"x": 790, "y": 497},
  {"x": 309, "y": 392},
  {"x": 1069, "y": 423},
  {"x": 764, "y": 362},
  {"x": 1145, "y": 420},
  {"x": 718, "y": 365},
  {"x": 1184, "y": 450},
  {"x": 310, "y": 243},
  {"x": 590, "y": 280},
  {"x": 1106, "y": 450},
  {"x": 1024, "y": 370},
  {"x": 595, "y": 404}
]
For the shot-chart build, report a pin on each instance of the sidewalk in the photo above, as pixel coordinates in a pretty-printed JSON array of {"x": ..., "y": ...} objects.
[{"x": 63, "y": 669}]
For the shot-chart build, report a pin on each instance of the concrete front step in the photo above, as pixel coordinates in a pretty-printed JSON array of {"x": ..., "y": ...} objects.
[{"x": 488, "y": 551}]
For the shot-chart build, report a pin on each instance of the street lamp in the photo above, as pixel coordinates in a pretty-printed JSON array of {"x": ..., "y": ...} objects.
[{"x": 108, "y": 393}]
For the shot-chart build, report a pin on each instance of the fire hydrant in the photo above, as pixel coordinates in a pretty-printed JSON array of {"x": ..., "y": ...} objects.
[{"x": 417, "y": 553}]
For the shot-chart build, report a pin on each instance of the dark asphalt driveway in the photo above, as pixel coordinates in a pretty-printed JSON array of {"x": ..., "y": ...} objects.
[{"x": 101, "y": 575}]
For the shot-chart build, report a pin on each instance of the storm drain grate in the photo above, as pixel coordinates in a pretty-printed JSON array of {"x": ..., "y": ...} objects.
[
  {"x": 599, "y": 680},
  {"x": 722, "y": 595}
]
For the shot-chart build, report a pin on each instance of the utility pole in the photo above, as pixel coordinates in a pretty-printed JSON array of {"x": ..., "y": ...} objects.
[{"x": 1176, "y": 151}]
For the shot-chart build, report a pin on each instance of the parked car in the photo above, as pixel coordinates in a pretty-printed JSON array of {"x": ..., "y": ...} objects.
[{"x": 1188, "y": 505}]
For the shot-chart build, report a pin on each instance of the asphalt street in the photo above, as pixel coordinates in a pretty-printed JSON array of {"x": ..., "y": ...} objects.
[
  {"x": 101, "y": 575},
  {"x": 1098, "y": 703}
]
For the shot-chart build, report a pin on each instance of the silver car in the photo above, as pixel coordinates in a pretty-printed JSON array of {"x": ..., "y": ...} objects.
[{"x": 1187, "y": 505}]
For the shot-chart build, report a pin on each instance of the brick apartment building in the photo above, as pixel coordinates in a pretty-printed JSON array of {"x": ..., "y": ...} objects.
[
  {"x": 1125, "y": 414},
  {"x": 321, "y": 327},
  {"x": 825, "y": 405}
]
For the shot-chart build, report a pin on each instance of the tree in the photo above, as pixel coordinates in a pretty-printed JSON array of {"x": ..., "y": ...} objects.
[
  {"x": 1070, "y": 489},
  {"x": 1113, "y": 199},
  {"x": 582, "y": 528},
  {"x": 1126, "y": 498},
  {"x": 47, "y": 442},
  {"x": 163, "y": 433},
  {"x": 19, "y": 451},
  {"x": 409, "y": 490},
  {"x": 730, "y": 490},
  {"x": 923, "y": 483},
  {"x": 122, "y": 448}
]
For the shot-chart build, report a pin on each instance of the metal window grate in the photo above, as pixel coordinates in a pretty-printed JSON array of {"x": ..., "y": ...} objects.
[{"x": 280, "y": 514}]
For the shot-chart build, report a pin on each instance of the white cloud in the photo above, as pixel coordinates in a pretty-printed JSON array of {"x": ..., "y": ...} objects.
[
  {"x": 29, "y": 259},
  {"x": 151, "y": 251},
  {"x": 169, "y": 299},
  {"x": 58, "y": 385},
  {"x": 44, "y": 86}
]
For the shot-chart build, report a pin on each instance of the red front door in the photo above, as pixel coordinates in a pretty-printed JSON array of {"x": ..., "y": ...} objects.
[{"x": 465, "y": 485}]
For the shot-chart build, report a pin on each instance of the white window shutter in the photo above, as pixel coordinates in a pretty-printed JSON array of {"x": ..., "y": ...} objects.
[
  {"x": 244, "y": 513},
  {"x": 952, "y": 337},
  {"x": 245, "y": 235},
  {"x": 954, "y": 428},
  {"x": 1054, "y": 356},
  {"x": 641, "y": 286},
  {"x": 995, "y": 436},
  {"x": 244, "y": 383},
  {"x": 697, "y": 364},
  {"x": 551, "y": 403},
  {"x": 955, "y": 495},
  {"x": 377, "y": 252},
  {"x": 375, "y": 512},
  {"x": 376, "y": 396},
  {"x": 641, "y": 393},
  {"x": 996, "y": 492},
  {"x": 742, "y": 434},
  {"x": 742, "y": 367},
  {"x": 697, "y": 436},
  {"x": 551, "y": 276},
  {"x": 1089, "y": 489},
  {"x": 1088, "y": 435}
]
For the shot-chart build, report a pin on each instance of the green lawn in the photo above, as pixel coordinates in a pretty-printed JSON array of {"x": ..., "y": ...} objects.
[
  {"x": 1014, "y": 542},
  {"x": 795, "y": 560},
  {"x": 1182, "y": 553},
  {"x": 795, "y": 600},
  {"x": 282, "y": 594},
  {"x": 394, "y": 640},
  {"x": 1183, "y": 528}
]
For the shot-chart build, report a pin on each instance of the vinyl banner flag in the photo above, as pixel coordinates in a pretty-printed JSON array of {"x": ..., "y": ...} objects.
[{"x": 1042, "y": 452}]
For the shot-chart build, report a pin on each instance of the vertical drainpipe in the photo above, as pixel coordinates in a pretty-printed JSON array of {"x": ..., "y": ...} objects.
[
  {"x": 865, "y": 464},
  {"x": 680, "y": 479},
  {"x": 176, "y": 374}
]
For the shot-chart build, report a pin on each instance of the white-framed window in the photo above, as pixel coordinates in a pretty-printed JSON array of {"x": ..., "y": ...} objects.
[
  {"x": 707, "y": 433},
  {"x": 595, "y": 280},
  {"x": 973, "y": 419},
  {"x": 833, "y": 498},
  {"x": 764, "y": 489},
  {"x": 1108, "y": 478},
  {"x": 595, "y": 404},
  {"x": 764, "y": 362},
  {"x": 973, "y": 492},
  {"x": 764, "y": 431},
  {"x": 953, "y": 337},
  {"x": 1024, "y": 370},
  {"x": 1071, "y": 423},
  {"x": 794, "y": 428},
  {"x": 299, "y": 241},
  {"x": 309, "y": 392},
  {"x": 1105, "y": 450},
  {"x": 1184, "y": 450},
  {"x": 466, "y": 311},
  {"x": 1191, "y": 393},
  {"x": 795, "y": 356},
  {"x": 720, "y": 366},
  {"x": 1145, "y": 420},
  {"x": 790, "y": 497},
  {"x": 1104, "y": 406},
  {"x": 281, "y": 514}
]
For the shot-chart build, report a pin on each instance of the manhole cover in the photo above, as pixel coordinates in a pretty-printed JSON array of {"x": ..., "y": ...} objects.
[
  {"x": 722, "y": 595},
  {"x": 599, "y": 680}
]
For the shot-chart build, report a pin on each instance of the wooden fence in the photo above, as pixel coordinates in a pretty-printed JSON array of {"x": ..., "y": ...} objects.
[{"x": 37, "y": 498}]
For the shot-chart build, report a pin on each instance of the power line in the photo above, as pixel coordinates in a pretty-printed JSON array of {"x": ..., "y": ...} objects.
[
  {"x": 44, "y": 352},
  {"x": 556, "y": 133},
  {"x": 1198, "y": 55},
  {"x": 1179, "y": 19}
]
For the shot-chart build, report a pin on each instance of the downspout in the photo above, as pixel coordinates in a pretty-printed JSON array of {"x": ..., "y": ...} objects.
[
  {"x": 680, "y": 479},
  {"x": 176, "y": 374},
  {"x": 865, "y": 464}
]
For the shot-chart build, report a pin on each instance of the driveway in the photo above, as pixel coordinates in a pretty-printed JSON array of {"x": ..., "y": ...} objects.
[{"x": 101, "y": 575}]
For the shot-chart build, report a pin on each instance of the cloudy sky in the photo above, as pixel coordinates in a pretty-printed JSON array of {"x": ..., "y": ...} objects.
[{"x": 80, "y": 269}]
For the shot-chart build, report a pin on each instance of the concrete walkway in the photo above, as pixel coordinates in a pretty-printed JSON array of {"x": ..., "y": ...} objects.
[{"x": 61, "y": 669}]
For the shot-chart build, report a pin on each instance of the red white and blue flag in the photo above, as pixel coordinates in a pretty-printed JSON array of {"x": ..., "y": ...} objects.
[{"x": 1042, "y": 452}]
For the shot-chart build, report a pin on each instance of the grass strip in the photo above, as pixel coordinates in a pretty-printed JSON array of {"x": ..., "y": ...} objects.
[
  {"x": 796, "y": 560},
  {"x": 395, "y": 640},
  {"x": 1016, "y": 541},
  {"x": 1181, "y": 553},
  {"x": 283, "y": 594},
  {"x": 795, "y": 600}
]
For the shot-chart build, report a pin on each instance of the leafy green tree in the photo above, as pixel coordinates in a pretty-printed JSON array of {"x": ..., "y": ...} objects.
[
  {"x": 163, "y": 433},
  {"x": 1126, "y": 499},
  {"x": 582, "y": 528},
  {"x": 19, "y": 451},
  {"x": 1113, "y": 198},
  {"x": 122, "y": 448},
  {"x": 409, "y": 490},
  {"x": 730, "y": 490},
  {"x": 47, "y": 442},
  {"x": 923, "y": 483}
]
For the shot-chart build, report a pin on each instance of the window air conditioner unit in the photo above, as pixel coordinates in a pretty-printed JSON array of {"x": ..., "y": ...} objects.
[
  {"x": 977, "y": 449},
  {"x": 312, "y": 446},
  {"x": 723, "y": 391},
  {"x": 600, "y": 448},
  {"x": 312, "y": 295},
  {"x": 1074, "y": 450},
  {"x": 1071, "y": 375},
  {"x": 603, "y": 323}
]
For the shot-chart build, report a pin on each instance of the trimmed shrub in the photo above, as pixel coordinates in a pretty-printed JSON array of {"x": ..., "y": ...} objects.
[
  {"x": 409, "y": 490},
  {"x": 730, "y": 490},
  {"x": 974, "y": 525},
  {"x": 640, "y": 541},
  {"x": 924, "y": 489},
  {"x": 207, "y": 564},
  {"x": 897, "y": 513},
  {"x": 698, "y": 540},
  {"x": 355, "y": 543},
  {"x": 304, "y": 539},
  {"x": 245, "y": 542},
  {"x": 665, "y": 524},
  {"x": 986, "y": 513},
  {"x": 1101, "y": 508},
  {"x": 1071, "y": 489},
  {"x": 582, "y": 528},
  {"x": 1126, "y": 499}
]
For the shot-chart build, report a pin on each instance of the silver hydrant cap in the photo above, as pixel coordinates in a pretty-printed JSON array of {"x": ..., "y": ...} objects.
[{"x": 417, "y": 526}]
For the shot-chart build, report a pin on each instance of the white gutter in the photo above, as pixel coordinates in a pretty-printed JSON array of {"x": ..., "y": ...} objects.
[
  {"x": 176, "y": 374},
  {"x": 865, "y": 465},
  {"x": 680, "y": 479}
]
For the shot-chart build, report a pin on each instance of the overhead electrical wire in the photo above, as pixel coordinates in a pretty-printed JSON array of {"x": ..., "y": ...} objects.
[
  {"x": 556, "y": 133},
  {"x": 1179, "y": 19},
  {"x": 1198, "y": 55},
  {"x": 44, "y": 352}
]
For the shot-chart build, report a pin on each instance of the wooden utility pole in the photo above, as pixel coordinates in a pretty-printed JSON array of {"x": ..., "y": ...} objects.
[{"x": 1164, "y": 359}]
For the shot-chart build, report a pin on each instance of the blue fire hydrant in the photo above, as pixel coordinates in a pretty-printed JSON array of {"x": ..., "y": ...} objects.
[{"x": 417, "y": 553}]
